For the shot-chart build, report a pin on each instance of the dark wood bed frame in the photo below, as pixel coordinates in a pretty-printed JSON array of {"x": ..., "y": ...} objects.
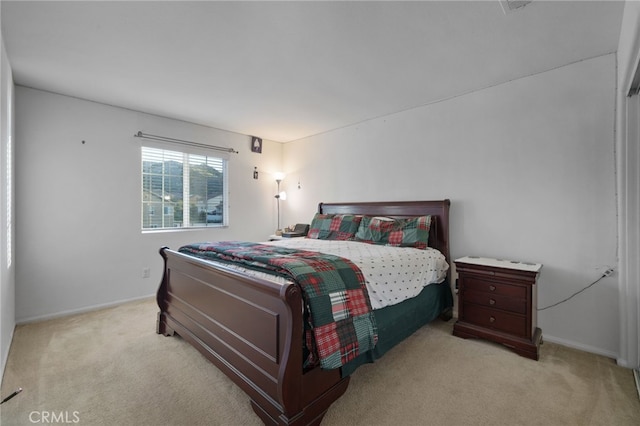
[{"x": 252, "y": 329}]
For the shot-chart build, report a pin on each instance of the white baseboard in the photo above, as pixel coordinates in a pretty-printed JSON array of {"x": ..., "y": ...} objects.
[
  {"x": 79, "y": 310},
  {"x": 579, "y": 346},
  {"x": 625, "y": 363}
]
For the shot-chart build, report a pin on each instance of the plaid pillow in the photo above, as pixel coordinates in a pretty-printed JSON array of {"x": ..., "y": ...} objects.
[
  {"x": 334, "y": 227},
  {"x": 411, "y": 232}
]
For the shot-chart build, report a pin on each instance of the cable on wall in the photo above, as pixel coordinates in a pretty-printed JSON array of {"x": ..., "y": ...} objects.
[
  {"x": 604, "y": 275},
  {"x": 183, "y": 142}
]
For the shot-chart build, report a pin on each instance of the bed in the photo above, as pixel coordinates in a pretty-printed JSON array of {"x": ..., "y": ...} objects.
[{"x": 252, "y": 328}]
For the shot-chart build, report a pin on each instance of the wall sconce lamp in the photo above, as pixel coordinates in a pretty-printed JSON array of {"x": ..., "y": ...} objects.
[{"x": 279, "y": 196}]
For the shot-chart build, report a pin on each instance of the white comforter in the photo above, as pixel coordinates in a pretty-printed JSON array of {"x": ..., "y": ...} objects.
[{"x": 393, "y": 274}]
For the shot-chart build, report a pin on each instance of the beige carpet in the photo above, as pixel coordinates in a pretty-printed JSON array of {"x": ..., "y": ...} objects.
[{"x": 110, "y": 368}]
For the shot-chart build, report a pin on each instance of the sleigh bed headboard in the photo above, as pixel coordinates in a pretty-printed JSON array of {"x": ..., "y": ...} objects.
[{"x": 438, "y": 209}]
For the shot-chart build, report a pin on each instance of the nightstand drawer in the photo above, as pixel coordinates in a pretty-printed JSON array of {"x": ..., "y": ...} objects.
[
  {"x": 496, "y": 320},
  {"x": 497, "y": 301},
  {"x": 473, "y": 283}
]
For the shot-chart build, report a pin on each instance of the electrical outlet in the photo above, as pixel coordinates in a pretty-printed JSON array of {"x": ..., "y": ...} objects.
[
  {"x": 608, "y": 272},
  {"x": 146, "y": 272}
]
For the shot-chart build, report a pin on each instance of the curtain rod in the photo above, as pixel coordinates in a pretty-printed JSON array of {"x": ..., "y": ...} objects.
[{"x": 183, "y": 142}]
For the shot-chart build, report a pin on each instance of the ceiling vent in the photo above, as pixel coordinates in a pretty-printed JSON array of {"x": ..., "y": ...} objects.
[{"x": 509, "y": 6}]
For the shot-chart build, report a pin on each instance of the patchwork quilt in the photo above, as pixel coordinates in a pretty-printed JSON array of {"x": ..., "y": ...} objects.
[{"x": 341, "y": 321}]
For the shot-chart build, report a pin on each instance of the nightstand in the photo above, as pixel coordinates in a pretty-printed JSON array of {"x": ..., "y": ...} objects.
[
  {"x": 497, "y": 301},
  {"x": 280, "y": 237}
]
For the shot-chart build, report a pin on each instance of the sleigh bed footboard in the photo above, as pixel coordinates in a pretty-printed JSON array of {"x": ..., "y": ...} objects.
[{"x": 252, "y": 330}]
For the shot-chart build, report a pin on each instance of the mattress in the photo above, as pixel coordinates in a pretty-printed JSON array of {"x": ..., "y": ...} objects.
[{"x": 392, "y": 274}]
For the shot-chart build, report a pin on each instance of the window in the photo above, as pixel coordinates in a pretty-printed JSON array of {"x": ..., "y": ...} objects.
[
  {"x": 9, "y": 177},
  {"x": 182, "y": 189}
]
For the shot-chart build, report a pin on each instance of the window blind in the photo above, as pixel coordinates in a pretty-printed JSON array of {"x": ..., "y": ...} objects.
[{"x": 183, "y": 187}]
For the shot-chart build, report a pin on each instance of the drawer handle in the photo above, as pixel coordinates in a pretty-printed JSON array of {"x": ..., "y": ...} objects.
[
  {"x": 492, "y": 302},
  {"x": 492, "y": 287},
  {"x": 492, "y": 319}
]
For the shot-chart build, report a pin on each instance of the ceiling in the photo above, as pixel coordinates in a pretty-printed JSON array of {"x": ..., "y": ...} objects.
[{"x": 287, "y": 70}]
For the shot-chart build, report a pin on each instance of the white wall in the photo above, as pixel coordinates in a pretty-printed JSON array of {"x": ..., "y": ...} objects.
[
  {"x": 79, "y": 243},
  {"x": 529, "y": 167},
  {"x": 7, "y": 277}
]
